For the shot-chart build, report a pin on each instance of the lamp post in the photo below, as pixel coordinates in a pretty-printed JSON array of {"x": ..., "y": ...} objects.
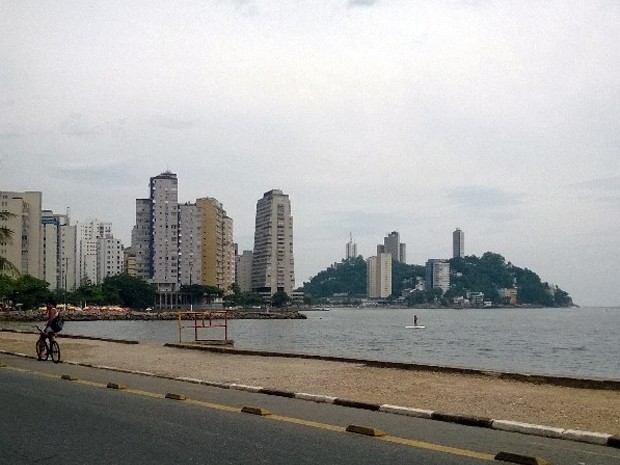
[
  {"x": 66, "y": 266},
  {"x": 191, "y": 291}
]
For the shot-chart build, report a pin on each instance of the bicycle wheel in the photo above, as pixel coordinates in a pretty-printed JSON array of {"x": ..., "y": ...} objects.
[
  {"x": 41, "y": 348},
  {"x": 55, "y": 352}
]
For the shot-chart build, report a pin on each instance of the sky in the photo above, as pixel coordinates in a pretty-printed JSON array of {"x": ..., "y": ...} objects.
[{"x": 500, "y": 118}]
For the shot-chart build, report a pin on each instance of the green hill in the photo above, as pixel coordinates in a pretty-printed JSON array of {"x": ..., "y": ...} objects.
[{"x": 487, "y": 274}]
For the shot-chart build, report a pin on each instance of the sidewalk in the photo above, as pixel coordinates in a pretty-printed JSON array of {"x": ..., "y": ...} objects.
[{"x": 453, "y": 393}]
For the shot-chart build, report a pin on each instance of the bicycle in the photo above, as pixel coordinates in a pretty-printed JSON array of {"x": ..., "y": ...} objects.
[{"x": 45, "y": 350}]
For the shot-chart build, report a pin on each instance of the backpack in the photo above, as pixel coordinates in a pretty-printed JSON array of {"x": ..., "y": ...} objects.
[{"x": 57, "y": 324}]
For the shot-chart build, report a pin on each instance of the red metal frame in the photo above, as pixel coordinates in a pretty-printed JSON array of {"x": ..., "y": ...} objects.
[{"x": 199, "y": 320}]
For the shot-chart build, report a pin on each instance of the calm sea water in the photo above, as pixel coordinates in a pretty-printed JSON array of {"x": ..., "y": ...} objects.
[{"x": 583, "y": 342}]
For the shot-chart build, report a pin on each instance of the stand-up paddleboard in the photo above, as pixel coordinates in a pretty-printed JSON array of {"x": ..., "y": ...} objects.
[{"x": 415, "y": 324}]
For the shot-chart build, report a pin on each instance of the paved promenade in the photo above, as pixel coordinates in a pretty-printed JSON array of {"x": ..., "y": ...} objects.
[{"x": 593, "y": 410}]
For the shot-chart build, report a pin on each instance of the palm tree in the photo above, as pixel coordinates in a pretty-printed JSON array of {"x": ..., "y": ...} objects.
[{"x": 6, "y": 235}]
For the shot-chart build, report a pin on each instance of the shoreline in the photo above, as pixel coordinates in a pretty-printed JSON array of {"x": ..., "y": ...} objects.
[
  {"x": 594, "y": 383},
  {"x": 462, "y": 394},
  {"x": 111, "y": 315}
]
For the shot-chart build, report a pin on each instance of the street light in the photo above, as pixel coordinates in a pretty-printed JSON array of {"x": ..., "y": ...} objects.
[
  {"x": 66, "y": 260},
  {"x": 191, "y": 291}
]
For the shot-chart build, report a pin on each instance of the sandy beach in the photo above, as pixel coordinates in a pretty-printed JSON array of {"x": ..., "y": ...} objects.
[{"x": 455, "y": 393}]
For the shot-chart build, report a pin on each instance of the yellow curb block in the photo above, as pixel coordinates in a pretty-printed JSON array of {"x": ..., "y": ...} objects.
[
  {"x": 365, "y": 430},
  {"x": 116, "y": 386},
  {"x": 173, "y": 396},
  {"x": 255, "y": 411},
  {"x": 68, "y": 378},
  {"x": 520, "y": 459}
]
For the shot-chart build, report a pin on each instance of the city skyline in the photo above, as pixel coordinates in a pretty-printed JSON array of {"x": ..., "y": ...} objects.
[{"x": 372, "y": 116}]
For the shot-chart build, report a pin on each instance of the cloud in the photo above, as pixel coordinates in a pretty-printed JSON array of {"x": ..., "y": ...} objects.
[
  {"x": 77, "y": 125},
  {"x": 600, "y": 191},
  {"x": 10, "y": 131},
  {"x": 361, "y": 3},
  {"x": 482, "y": 198},
  {"x": 599, "y": 184},
  {"x": 113, "y": 173},
  {"x": 174, "y": 123}
]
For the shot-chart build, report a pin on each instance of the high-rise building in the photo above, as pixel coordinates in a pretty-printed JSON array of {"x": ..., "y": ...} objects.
[
  {"x": 24, "y": 250},
  {"x": 141, "y": 239},
  {"x": 164, "y": 231},
  {"x": 58, "y": 251},
  {"x": 244, "y": 271},
  {"x": 458, "y": 243},
  {"x": 110, "y": 257},
  {"x": 217, "y": 246},
  {"x": 87, "y": 249},
  {"x": 50, "y": 227},
  {"x": 190, "y": 244},
  {"x": 393, "y": 246},
  {"x": 129, "y": 262},
  {"x": 438, "y": 274},
  {"x": 155, "y": 236},
  {"x": 273, "y": 267},
  {"x": 379, "y": 276},
  {"x": 351, "y": 251}
]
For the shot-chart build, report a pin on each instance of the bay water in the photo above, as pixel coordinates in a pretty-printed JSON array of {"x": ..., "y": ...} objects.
[{"x": 576, "y": 342}]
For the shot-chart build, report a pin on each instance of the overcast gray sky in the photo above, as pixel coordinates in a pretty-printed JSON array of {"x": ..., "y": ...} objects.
[{"x": 501, "y": 118}]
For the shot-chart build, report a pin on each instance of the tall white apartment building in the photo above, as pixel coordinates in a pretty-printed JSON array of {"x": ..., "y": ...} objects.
[
  {"x": 379, "y": 276},
  {"x": 244, "y": 271},
  {"x": 110, "y": 257},
  {"x": 50, "y": 262},
  {"x": 87, "y": 249},
  {"x": 393, "y": 246},
  {"x": 164, "y": 231},
  {"x": 458, "y": 243},
  {"x": 351, "y": 249},
  {"x": 58, "y": 243},
  {"x": 190, "y": 244},
  {"x": 438, "y": 274},
  {"x": 24, "y": 250},
  {"x": 273, "y": 267}
]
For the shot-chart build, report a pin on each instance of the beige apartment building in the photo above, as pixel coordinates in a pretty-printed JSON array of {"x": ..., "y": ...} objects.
[
  {"x": 24, "y": 250},
  {"x": 217, "y": 250},
  {"x": 379, "y": 276}
]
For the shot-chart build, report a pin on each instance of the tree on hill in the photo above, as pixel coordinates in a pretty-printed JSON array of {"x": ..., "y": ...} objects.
[
  {"x": 405, "y": 276},
  {"x": 491, "y": 272},
  {"x": 346, "y": 277},
  {"x": 487, "y": 274}
]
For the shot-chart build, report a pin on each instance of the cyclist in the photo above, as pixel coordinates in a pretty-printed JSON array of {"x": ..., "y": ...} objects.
[{"x": 52, "y": 313}]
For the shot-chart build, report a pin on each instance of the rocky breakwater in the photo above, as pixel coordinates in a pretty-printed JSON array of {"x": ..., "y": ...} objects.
[{"x": 95, "y": 314}]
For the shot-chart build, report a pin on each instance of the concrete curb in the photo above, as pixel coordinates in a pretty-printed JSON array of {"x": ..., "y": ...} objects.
[
  {"x": 71, "y": 336},
  {"x": 601, "y": 439},
  {"x": 481, "y": 422},
  {"x": 410, "y": 412},
  {"x": 583, "y": 383}
]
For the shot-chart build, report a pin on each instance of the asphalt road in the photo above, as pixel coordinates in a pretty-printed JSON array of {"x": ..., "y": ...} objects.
[{"x": 54, "y": 420}]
